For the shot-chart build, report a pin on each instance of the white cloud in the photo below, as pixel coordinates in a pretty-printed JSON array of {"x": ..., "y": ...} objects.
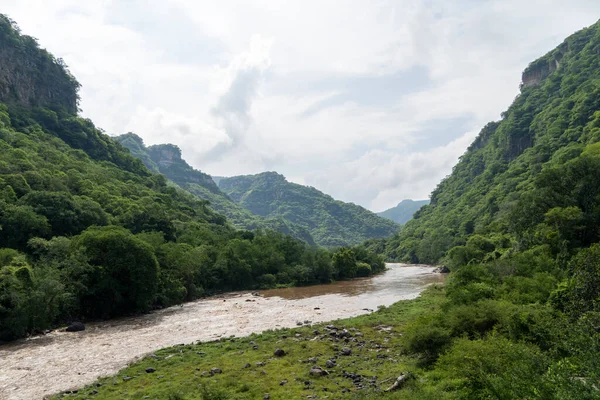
[{"x": 359, "y": 99}]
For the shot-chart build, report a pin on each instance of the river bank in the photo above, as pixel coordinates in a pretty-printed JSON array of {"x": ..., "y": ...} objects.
[{"x": 60, "y": 361}]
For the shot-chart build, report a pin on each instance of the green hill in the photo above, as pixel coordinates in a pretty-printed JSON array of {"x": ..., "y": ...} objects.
[
  {"x": 87, "y": 231},
  {"x": 330, "y": 222},
  {"x": 497, "y": 185},
  {"x": 166, "y": 159},
  {"x": 404, "y": 211},
  {"x": 517, "y": 224}
]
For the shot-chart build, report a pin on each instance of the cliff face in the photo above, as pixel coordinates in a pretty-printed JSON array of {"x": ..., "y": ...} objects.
[
  {"x": 29, "y": 75},
  {"x": 535, "y": 74}
]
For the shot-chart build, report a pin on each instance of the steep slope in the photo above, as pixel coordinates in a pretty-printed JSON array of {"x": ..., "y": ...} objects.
[
  {"x": 554, "y": 120},
  {"x": 404, "y": 211},
  {"x": 166, "y": 159},
  {"x": 330, "y": 222},
  {"x": 30, "y": 76}
]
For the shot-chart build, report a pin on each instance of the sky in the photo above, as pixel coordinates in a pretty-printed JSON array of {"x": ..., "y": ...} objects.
[{"x": 371, "y": 102}]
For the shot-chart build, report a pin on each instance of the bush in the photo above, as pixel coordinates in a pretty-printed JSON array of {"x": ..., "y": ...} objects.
[
  {"x": 493, "y": 368},
  {"x": 363, "y": 269},
  {"x": 427, "y": 336}
]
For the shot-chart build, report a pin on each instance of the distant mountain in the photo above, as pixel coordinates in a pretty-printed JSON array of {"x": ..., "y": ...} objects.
[
  {"x": 166, "y": 159},
  {"x": 404, "y": 211},
  {"x": 329, "y": 221}
]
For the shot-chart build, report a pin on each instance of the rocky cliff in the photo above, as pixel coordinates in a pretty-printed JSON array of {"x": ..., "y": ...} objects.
[{"x": 30, "y": 76}]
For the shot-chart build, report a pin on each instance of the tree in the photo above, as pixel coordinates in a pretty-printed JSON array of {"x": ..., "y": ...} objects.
[
  {"x": 344, "y": 263},
  {"x": 122, "y": 272}
]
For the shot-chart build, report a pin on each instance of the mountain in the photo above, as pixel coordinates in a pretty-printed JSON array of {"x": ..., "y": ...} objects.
[
  {"x": 285, "y": 207},
  {"x": 330, "y": 222},
  {"x": 403, "y": 211},
  {"x": 166, "y": 159},
  {"x": 87, "y": 231}
]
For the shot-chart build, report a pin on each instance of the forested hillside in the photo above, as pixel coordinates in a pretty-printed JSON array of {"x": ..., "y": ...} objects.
[
  {"x": 404, "y": 211},
  {"x": 166, "y": 159},
  {"x": 511, "y": 175},
  {"x": 330, "y": 222},
  {"x": 87, "y": 231},
  {"x": 517, "y": 222}
]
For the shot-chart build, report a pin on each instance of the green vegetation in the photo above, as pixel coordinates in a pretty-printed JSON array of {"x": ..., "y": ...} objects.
[
  {"x": 331, "y": 223},
  {"x": 404, "y": 211},
  {"x": 166, "y": 159},
  {"x": 87, "y": 231}
]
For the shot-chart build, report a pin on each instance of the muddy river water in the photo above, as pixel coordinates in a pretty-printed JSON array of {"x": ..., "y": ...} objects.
[{"x": 58, "y": 361}]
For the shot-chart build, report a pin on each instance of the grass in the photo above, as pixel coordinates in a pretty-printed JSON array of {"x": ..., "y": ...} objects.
[{"x": 250, "y": 370}]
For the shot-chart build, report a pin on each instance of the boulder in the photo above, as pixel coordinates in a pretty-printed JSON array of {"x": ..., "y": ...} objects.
[
  {"x": 442, "y": 269},
  {"x": 279, "y": 353},
  {"x": 318, "y": 371},
  {"x": 76, "y": 327},
  {"x": 346, "y": 351},
  {"x": 150, "y": 370}
]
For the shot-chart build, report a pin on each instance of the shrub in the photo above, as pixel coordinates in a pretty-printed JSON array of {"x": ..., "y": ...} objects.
[
  {"x": 363, "y": 269},
  {"x": 493, "y": 368}
]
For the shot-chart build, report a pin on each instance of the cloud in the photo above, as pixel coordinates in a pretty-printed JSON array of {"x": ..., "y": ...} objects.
[
  {"x": 371, "y": 102},
  {"x": 232, "y": 110}
]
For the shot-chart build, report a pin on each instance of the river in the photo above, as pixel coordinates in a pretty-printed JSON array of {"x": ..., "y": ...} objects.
[{"x": 33, "y": 367}]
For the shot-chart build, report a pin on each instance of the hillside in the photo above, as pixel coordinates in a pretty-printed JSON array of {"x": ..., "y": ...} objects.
[
  {"x": 88, "y": 232},
  {"x": 517, "y": 224},
  {"x": 330, "y": 222},
  {"x": 503, "y": 181},
  {"x": 404, "y": 211},
  {"x": 166, "y": 159}
]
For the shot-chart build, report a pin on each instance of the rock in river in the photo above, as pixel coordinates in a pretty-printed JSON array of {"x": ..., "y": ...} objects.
[{"x": 75, "y": 327}]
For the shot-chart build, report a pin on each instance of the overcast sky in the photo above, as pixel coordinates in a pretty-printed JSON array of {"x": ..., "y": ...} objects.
[{"x": 369, "y": 101}]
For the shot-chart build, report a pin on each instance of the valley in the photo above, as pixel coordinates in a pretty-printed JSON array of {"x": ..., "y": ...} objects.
[{"x": 252, "y": 286}]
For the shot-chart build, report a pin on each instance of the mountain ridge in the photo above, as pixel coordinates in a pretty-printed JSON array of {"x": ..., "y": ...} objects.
[
  {"x": 166, "y": 159},
  {"x": 403, "y": 211},
  {"x": 331, "y": 222}
]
